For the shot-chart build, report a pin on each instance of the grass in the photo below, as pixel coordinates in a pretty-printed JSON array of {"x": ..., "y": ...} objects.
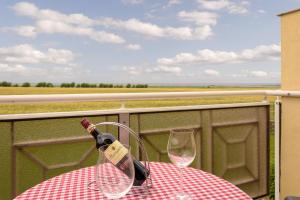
[
  {"x": 57, "y": 90},
  {"x": 76, "y": 106}
]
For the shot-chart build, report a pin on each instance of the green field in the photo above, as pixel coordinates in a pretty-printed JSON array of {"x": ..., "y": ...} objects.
[
  {"x": 58, "y": 90},
  {"x": 76, "y": 106}
]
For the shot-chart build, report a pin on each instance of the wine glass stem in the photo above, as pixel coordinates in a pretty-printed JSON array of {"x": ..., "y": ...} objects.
[{"x": 181, "y": 180}]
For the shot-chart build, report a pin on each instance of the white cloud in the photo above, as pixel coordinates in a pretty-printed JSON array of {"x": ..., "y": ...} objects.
[
  {"x": 23, "y": 53},
  {"x": 174, "y": 2},
  {"x": 25, "y": 9},
  {"x": 16, "y": 68},
  {"x": 25, "y": 31},
  {"x": 165, "y": 69},
  {"x": 26, "y": 54},
  {"x": 242, "y": 75},
  {"x": 30, "y": 10},
  {"x": 50, "y": 27},
  {"x": 214, "y": 4},
  {"x": 255, "y": 74},
  {"x": 24, "y": 61},
  {"x": 153, "y": 30},
  {"x": 134, "y": 46},
  {"x": 134, "y": 2},
  {"x": 231, "y": 6},
  {"x": 199, "y": 18},
  {"x": 261, "y": 11},
  {"x": 211, "y": 72},
  {"x": 144, "y": 69},
  {"x": 132, "y": 70},
  {"x": 59, "y": 56},
  {"x": 50, "y": 22},
  {"x": 262, "y": 52},
  {"x": 207, "y": 56},
  {"x": 134, "y": 25},
  {"x": 258, "y": 73},
  {"x": 234, "y": 8}
]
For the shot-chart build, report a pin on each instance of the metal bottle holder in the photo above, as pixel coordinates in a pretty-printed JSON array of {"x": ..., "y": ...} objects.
[{"x": 148, "y": 182}]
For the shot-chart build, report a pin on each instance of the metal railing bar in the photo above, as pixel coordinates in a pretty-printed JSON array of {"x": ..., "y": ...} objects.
[
  {"x": 74, "y": 114},
  {"x": 53, "y": 141},
  {"x": 277, "y": 133},
  {"x": 215, "y": 125},
  {"x": 152, "y": 145},
  {"x": 86, "y": 154},
  {"x": 163, "y": 130},
  {"x": 258, "y": 152},
  {"x": 244, "y": 181},
  {"x": 123, "y": 96},
  {"x": 233, "y": 166},
  {"x": 13, "y": 160},
  {"x": 268, "y": 131},
  {"x": 53, "y": 115},
  {"x": 57, "y": 166},
  {"x": 138, "y": 96},
  {"x": 34, "y": 158}
]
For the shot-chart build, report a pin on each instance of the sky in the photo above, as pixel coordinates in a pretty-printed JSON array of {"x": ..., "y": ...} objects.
[{"x": 142, "y": 41}]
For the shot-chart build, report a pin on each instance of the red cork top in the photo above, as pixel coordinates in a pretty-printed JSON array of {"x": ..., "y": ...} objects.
[{"x": 85, "y": 123}]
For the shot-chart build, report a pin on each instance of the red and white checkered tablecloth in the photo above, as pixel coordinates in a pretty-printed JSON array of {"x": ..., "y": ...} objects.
[{"x": 165, "y": 178}]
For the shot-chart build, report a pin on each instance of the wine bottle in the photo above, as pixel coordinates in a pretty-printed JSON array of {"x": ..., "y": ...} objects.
[{"x": 106, "y": 142}]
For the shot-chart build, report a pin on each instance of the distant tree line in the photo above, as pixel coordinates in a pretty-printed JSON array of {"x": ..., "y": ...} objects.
[
  {"x": 9, "y": 84},
  {"x": 5, "y": 84},
  {"x": 73, "y": 85},
  {"x": 136, "y": 86},
  {"x": 102, "y": 85},
  {"x": 44, "y": 84}
]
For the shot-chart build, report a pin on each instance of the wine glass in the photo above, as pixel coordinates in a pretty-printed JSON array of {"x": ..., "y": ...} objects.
[
  {"x": 182, "y": 152},
  {"x": 115, "y": 171}
]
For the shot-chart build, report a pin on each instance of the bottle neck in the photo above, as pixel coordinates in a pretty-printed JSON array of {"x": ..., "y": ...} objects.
[{"x": 93, "y": 131}]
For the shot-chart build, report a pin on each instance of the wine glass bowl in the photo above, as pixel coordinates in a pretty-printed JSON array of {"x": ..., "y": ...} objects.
[
  {"x": 182, "y": 152},
  {"x": 182, "y": 147},
  {"x": 114, "y": 180}
]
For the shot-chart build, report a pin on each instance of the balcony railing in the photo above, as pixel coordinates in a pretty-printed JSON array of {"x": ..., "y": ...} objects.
[{"x": 232, "y": 139}]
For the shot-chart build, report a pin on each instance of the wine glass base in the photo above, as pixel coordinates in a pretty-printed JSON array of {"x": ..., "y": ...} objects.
[{"x": 182, "y": 196}]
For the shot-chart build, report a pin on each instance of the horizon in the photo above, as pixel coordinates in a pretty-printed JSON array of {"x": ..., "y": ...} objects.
[{"x": 58, "y": 84}]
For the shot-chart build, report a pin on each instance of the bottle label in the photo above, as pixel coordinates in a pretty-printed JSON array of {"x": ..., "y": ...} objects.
[{"x": 115, "y": 152}]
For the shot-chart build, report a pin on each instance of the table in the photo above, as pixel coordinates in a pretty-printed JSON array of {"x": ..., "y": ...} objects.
[{"x": 165, "y": 178}]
